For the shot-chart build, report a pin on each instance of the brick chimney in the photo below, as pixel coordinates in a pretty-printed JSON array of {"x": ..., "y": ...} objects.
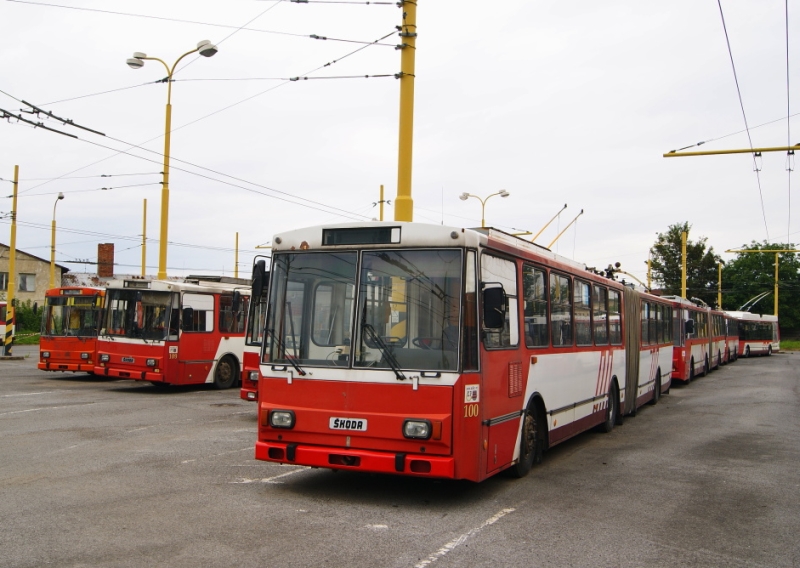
[{"x": 105, "y": 260}]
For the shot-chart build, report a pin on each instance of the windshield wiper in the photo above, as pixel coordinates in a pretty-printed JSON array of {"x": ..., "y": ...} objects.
[
  {"x": 385, "y": 351},
  {"x": 286, "y": 355}
]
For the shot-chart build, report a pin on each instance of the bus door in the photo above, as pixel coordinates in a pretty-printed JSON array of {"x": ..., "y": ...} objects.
[
  {"x": 501, "y": 361},
  {"x": 198, "y": 343}
]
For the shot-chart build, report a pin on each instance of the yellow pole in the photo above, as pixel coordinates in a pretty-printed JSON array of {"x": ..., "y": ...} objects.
[
  {"x": 649, "y": 273},
  {"x": 53, "y": 250},
  {"x": 565, "y": 229},
  {"x": 404, "y": 204},
  {"x": 719, "y": 286},
  {"x": 776, "y": 284},
  {"x": 12, "y": 274},
  {"x": 381, "y": 203},
  {"x": 144, "y": 238},
  {"x": 162, "y": 243},
  {"x": 684, "y": 235},
  {"x": 236, "y": 258},
  {"x": 548, "y": 223}
]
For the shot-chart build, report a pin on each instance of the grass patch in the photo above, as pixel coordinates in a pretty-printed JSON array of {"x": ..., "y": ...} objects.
[
  {"x": 790, "y": 345},
  {"x": 32, "y": 339}
]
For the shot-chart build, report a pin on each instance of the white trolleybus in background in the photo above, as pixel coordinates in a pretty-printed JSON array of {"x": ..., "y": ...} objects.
[
  {"x": 758, "y": 334},
  {"x": 427, "y": 350},
  {"x": 254, "y": 335},
  {"x": 174, "y": 332}
]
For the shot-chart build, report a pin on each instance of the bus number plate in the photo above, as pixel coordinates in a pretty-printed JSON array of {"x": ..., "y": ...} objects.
[{"x": 357, "y": 424}]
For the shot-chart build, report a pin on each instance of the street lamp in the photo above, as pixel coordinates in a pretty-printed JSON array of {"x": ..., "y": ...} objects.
[
  {"x": 206, "y": 49},
  {"x": 53, "y": 243},
  {"x": 464, "y": 196}
]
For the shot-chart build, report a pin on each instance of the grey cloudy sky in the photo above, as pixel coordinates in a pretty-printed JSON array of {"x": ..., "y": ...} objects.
[{"x": 556, "y": 102}]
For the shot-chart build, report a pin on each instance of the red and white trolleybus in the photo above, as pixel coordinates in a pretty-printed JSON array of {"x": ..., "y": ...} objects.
[
  {"x": 758, "y": 334},
  {"x": 174, "y": 333},
  {"x": 445, "y": 352},
  {"x": 692, "y": 334},
  {"x": 255, "y": 333},
  {"x": 70, "y": 321}
]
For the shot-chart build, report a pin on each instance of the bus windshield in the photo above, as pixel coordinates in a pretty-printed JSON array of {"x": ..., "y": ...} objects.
[
  {"x": 143, "y": 314},
  {"x": 406, "y": 314},
  {"x": 71, "y": 315}
]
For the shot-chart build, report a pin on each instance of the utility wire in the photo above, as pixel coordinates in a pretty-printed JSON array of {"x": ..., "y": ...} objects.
[
  {"x": 744, "y": 116},
  {"x": 790, "y": 153},
  {"x": 101, "y": 93},
  {"x": 394, "y": 75},
  {"x": 182, "y": 21}
]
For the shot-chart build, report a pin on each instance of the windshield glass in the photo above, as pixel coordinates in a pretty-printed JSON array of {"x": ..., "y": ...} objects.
[
  {"x": 255, "y": 321},
  {"x": 311, "y": 308},
  {"x": 141, "y": 314},
  {"x": 411, "y": 299},
  {"x": 71, "y": 315}
]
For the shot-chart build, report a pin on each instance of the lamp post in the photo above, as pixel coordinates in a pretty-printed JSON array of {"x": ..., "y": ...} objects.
[
  {"x": 464, "y": 196},
  {"x": 53, "y": 243},
  {"x": 206, "y": 49}
]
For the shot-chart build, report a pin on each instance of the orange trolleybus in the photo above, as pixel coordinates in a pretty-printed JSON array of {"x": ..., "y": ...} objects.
[
  {"x": 70, "y": 320},
  {"x": 445, "y": 352},
  {"x": 174, "y": 332}
]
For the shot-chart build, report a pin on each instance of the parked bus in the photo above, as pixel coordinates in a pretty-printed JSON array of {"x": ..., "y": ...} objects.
[
  {"x": 690, "y": 355},
  {"x": 717, "y": 339},
  {"x": 254, "y": 335},
  {"x": 758, "y": 334},
  {"x": 445, "y": 352},
  {"x": 70, "y": 321},
  {"x": 174, "y": 333},
  {"x": 731, "y": 337}
]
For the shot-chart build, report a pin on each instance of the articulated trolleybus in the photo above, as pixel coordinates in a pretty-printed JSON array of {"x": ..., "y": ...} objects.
[
  {"x": 758, "y": 334},
  {"x": 174, "y": 333},
  {"x": 445, "y": 352},
  {"x": 70, "y": 321}
]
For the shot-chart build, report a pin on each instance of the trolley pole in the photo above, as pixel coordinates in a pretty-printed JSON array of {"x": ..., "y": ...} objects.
[{"x": 404, "y": 204}]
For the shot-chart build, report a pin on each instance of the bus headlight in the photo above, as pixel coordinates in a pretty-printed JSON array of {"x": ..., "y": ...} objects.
[
  {"x": 104, "y": 358},
  {"x": 254, "y": 376},
  {"x": 45, "y": 354},
  {"x": 417, "y": 429},
  {"x": 281, "y": 419},
  {"x": 150, "y": 362},
  {"x": 84, "y": 356}
]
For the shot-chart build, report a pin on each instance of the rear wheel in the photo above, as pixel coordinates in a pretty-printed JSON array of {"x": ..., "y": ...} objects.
[
  {"x": 612, "y": 410},
  {"x": 656, "y": 390},
  {"x": 769, "y": 350},
  {"x": 691, "y": 371},
  {"x": 225, "y": 373},
  {"x": 532, "y": 442},
  {"x": 747, "y": 352}
]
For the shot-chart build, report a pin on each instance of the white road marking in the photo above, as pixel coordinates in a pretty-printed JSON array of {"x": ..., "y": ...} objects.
[
  {"x": 26, "y": 394},
  {"x": 222, "y": 454},
  {"x": 271, "y": 479},
  {"x": 450, "y": 546},
  {"x": 37, "y": 409}
]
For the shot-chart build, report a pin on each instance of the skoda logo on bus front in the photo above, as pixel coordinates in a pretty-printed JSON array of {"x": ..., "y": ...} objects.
[
  {"x": 358, "y": 424},
  {"x": 127, "y": 359}
]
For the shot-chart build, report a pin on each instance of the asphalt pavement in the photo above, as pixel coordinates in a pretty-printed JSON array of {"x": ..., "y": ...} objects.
[{"x": 112, "y": 473}]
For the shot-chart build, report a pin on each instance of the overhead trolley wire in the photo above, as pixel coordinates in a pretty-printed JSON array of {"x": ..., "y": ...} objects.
[{"x": 744, "y": 116}]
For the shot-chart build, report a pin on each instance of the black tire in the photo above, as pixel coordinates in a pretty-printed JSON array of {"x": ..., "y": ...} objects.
[
  {"x": 656, "y": 390},
  {"x": 747, "y": 352},
  {"x": 691, "y": 371},
  {"x": 226, "y": 373},
  {"x": 160, "y": 385},
  {"x": 769, "y": 350},
  {"x": 531, "y": 442},
  {"x": 719, "y": 360},
  {"x": 612, "y": 410},
  {"x": 706, "y": 368}
]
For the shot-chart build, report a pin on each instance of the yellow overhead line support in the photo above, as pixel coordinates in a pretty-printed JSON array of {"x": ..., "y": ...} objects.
[
  {"x": 675, "y": 154},
  {"x": 404, "y": 204},
  {"x": 777, "y": 252}
]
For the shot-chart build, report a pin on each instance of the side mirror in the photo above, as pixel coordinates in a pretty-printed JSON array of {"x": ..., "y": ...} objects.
[
  {"x": 494, "y": 308},
  {"x": 187, "y": 317},
  {"x": 236, "y": 301},
  {"x": 259, "y": 278},
  {"x": 689, "y": 327}
]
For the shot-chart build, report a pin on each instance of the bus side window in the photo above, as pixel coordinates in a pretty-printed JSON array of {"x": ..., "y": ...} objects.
[
  {"x": 504, "y": 272},
  {"x": 534, "y": 286},
  {"x": 561, "y": 310}
]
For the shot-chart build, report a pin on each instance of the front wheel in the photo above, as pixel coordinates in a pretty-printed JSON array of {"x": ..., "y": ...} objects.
[
  {"x": 531, "y": 444},
  {"x": 769, "y": 350},
  {"x": 656, "y": 390},
  {"x": 747, "y": 352},
  {"x": 225, "y": 373},
  {"x": 612, "y": 410}
]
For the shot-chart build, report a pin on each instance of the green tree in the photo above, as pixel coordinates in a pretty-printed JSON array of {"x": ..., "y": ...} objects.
[
  {"x": 751, "y": 274},
  {"x": 701, "y": 265}
]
